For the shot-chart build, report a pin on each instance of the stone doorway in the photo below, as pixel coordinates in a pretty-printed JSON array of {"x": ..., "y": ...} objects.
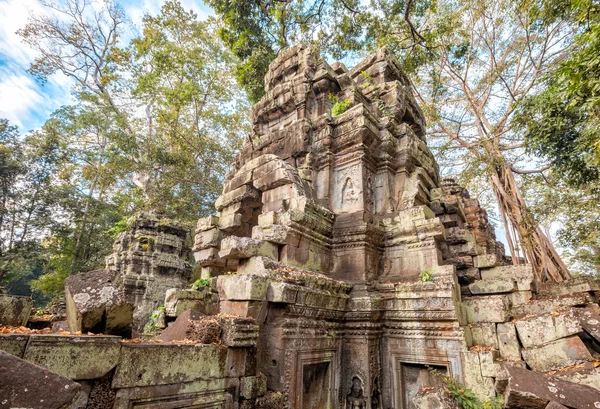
[
  {"x": 316, "y": 386},
  {"x": 414, "y": 377}
]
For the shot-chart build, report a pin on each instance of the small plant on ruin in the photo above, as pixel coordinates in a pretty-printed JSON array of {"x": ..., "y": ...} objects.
[
  {"x": 464, "y": 396},
  {"x": 367, "y": 80},
  {"x": 425, "y": 275},
  {"x": 200, "y": 283},
  {"x": 339, "y": 106},
  {"x": 153, "y": 325}
]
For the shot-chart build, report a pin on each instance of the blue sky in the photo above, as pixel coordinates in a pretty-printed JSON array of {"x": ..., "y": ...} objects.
[{"x": 25, "y": 102}]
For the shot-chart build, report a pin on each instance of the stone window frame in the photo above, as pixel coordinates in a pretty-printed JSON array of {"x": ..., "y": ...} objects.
[
  {"x": 315, "y": 357},
  {"x": 421, "y": 356}
]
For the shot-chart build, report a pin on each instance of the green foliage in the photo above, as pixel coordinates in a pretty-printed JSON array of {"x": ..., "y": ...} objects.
[
  {"x": 71, "y": 186},
  {"x": 339, "y": 107},
  {"x": 464, "y": 396},
  {"x": 200, "y": 283},
  {"x": 425, "y": 275},
  {"x": 155, "y": 320},
  {"x": 561, "y": 123}
]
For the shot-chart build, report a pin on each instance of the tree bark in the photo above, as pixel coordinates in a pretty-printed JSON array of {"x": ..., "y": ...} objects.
[{"x": 538, "y": 249}]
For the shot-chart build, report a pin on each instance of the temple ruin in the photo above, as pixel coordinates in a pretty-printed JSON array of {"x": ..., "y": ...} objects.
[{"x": 338, "y": 270}]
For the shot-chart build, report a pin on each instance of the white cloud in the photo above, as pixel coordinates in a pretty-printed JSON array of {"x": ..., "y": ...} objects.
[{"x": 18, "y": 96}]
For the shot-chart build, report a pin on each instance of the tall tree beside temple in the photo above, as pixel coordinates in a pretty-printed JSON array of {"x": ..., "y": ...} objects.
[
  {"x": 155, "y": 124},
  {"x": 472, "y": 64}
]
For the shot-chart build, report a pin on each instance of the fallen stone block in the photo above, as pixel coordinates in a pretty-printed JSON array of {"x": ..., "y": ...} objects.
[
  {"x": 547, "y": 305},
  {"x": 239, "y": 331},
  {"x": 522, "y": 388},
  {"x": 94, "y": 304},
  {"x": 209, "y": 257},
  {"x": 246, "y": 193},
  {"x": 544, "y": 328},
  {"x": 585, "y": 374},
  {"x": 590, "y": 322},
  {"x": 493, "y": 308},
  {"x": 14, "y": 310},
  {"x": 556, "y": 354},
  {"x": 572, "y": 286},
  {"x": 555, "y": 405},
  {"x": 25, "y": 385}
]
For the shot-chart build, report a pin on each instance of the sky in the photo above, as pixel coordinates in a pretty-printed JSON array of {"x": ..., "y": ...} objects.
[{"x": 26, "y": 102}]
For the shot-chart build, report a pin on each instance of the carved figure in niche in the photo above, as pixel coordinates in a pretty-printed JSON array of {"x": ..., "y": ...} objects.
[
  {"x": 350, "y": 192},
  {"x": 370, "y": 194},
  {"x": 375, "y": 394},
  {"x": 355, "y": 399}
]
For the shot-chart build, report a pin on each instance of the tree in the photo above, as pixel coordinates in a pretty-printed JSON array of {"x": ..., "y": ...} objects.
[
  {"x": 561, "y": 123},
  {"x": 154, "y": 127}
]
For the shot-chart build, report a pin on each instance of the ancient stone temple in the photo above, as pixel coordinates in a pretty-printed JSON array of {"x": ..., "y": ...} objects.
[{"x": 337, "y": 271}]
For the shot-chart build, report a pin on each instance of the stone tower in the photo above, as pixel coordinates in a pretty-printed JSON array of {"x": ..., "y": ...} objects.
[{"x": 337, "y": 181}]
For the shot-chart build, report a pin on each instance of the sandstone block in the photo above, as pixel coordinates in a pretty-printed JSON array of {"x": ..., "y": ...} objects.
[
  {"x": 492, "y": 308},
  {"x": 253, "y": 386},
  {"x": 281, "y": 292},
  {"x": 519, "y": 298},
  {"x": 489, "y": 366},
  {"x": 485, "y": 334},
  {"x": 493, "y": 286},
  {"x": 541, "y": 329},
  {"x": 14, "y": 310},
  {"x": 508, "y": 343},
  {"x": 542, "y": 306},
  {"x": 25, "y": 385},
  {"x": 528, "y": 389},
  {"x": 275, "y": 233},
  {"x": 485, "y": 260},
  {"x": 239, "y": 332},
  {"x": 267, "y": 219},
  {"x": 83, "y": 357},
  {"x": 209, "y": 257},
  {"x": 193, "y": 326},
  {"x": 229, "y": 223},
  {"x": 257, "y": 264},
  {"x": 242, "y": 287},
  {"x": 206, "y": 223},
  {"x": 148, "y": 364},
  {"x": 208, "y": 238},
  {"x": 556, "y": 354},
  {"x": 245, "y": 193},
  {"x": 238, "y": 248},
  {"x": 204, "y": 301}
]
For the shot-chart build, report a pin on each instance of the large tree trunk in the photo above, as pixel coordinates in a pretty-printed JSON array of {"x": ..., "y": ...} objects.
[{"x": 537, "y": 248}]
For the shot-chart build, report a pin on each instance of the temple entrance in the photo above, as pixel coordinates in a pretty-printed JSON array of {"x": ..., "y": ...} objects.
[
  {"x": 316, "y": 385},
  {"x": 414, "y": 377}
]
